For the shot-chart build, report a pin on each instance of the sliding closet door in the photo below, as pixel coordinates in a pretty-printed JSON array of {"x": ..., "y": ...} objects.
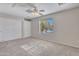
[
  {"x": 11, "y": 29},
  {"x": 0, "y": 29},
  {"x": 26, "y": 28}
]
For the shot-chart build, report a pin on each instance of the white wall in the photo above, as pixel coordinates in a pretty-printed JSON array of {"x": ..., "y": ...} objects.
[
  {"x": 67, "y": 28},
  {"x": 11, "y": 28}
]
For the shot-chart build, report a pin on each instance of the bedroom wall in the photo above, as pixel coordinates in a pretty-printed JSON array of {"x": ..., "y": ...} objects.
[{"x": 67, "y": 28}]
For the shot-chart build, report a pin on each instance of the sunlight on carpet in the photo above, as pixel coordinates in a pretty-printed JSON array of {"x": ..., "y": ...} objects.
[{"x": 37, "y": 47}]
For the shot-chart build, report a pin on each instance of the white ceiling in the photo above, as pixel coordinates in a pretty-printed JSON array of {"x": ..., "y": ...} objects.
[{"x": 20, "y": 9}]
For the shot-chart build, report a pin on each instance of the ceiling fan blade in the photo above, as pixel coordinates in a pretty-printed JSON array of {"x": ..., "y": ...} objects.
[
  {"x": 60, "y": 4},
  {"x": 29, "y": 11},
  {"x": 40, "y": 14},
  {"x": 14, "y": 4},
  {"x": 32, "y": 5},
  {"x": 42, "y": 10}
]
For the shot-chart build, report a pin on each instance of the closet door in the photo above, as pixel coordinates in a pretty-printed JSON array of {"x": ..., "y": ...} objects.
[
  {"x": 1, "y": 37},
  {"x": 26, "y": 28},
  {"x": 11, "y": 29}
]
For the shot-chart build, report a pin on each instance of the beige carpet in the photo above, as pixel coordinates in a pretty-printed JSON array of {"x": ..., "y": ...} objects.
[{"x": 35, "y": 47}]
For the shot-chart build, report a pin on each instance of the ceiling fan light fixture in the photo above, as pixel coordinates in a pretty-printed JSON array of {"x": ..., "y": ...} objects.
[{"x": 35, "y": 14}]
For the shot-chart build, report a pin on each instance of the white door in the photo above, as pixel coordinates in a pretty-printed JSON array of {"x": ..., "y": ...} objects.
[
  {"x": 1, "y": 39},
  {"x": 11, "y": 29},
  {"x": 26, "y": 28},
  {"x": 0, "y": 36}
]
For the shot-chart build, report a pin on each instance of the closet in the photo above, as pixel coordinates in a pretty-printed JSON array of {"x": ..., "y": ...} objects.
[{"x": 14, "y": 28}]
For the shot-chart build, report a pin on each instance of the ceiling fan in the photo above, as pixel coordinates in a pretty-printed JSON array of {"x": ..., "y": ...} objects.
[
  {"x": 33, "y": 10},
  {"x": 37, "y": 12}
]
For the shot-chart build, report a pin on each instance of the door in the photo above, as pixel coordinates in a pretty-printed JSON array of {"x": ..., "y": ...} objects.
[
  {"x": 11, "y": 29},
  {"x": 26, "y": 28}
]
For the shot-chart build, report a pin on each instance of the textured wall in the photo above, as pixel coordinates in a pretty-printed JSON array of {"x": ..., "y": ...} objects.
[{"x": 67, "y": 28}]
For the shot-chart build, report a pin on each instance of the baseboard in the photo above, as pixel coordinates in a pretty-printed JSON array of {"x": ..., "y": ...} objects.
[
  {"x": 57, "y": 43},
  {"x": 16, "y": 39}
]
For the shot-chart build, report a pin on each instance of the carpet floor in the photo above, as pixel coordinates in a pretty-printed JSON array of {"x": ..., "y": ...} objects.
[{"x": 35, "y": 47}]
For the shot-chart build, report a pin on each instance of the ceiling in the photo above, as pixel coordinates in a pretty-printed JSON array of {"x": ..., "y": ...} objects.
[{"x": 20, "y": 8}]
